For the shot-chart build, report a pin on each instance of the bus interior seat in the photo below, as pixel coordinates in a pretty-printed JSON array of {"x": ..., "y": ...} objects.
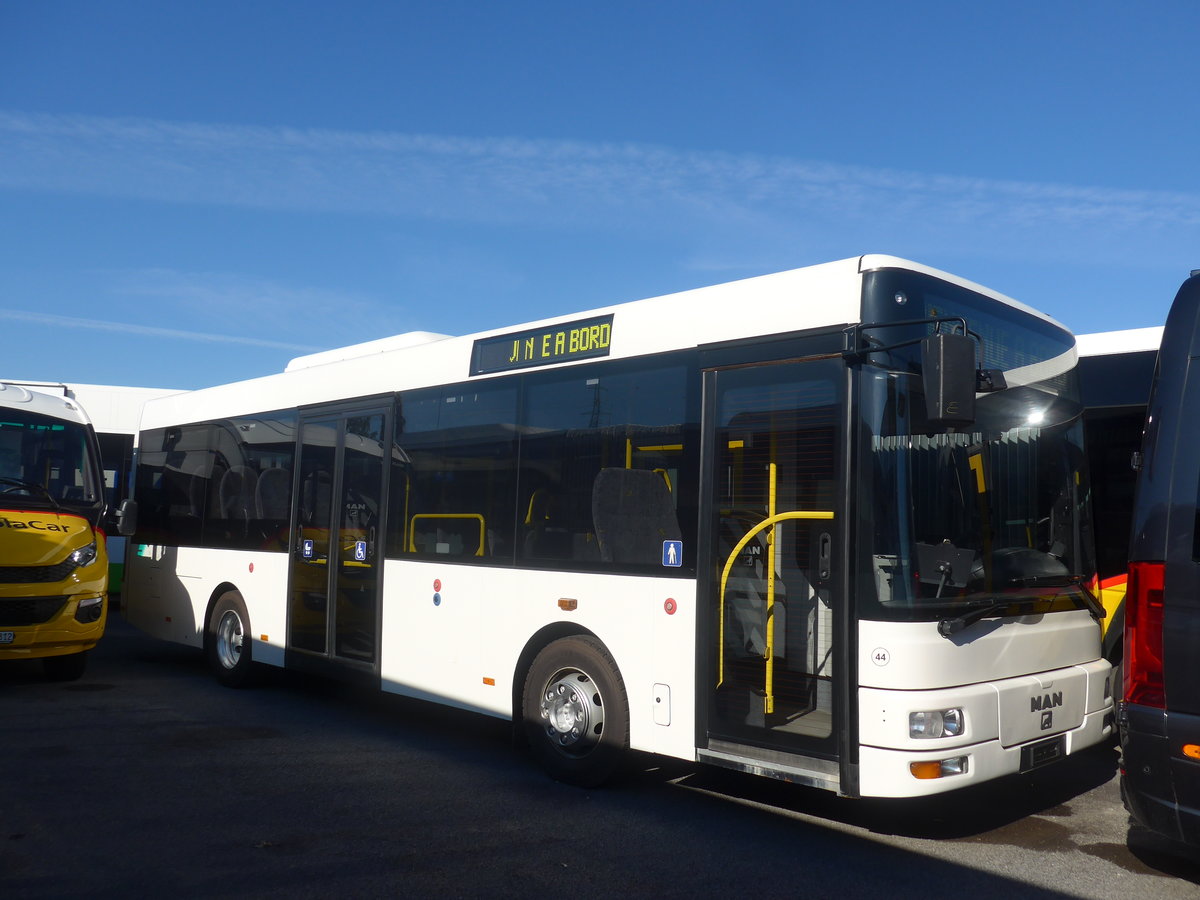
[
  {"x": 237, "y": 492},
  {"x": 315, "y": 498},
  {"x": 197, "y": 489},
  {"x": 545, "y": 536},
  {"x": 633, "y": 512},
  {"x": 273, "y": 493}
]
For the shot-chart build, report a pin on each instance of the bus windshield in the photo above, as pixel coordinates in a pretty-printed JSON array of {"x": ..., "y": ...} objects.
[
  {"x": 47, "y": 463},
  {"x": 993, "y": 516}
]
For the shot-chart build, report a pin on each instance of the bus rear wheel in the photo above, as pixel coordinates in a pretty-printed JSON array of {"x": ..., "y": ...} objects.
[
  {"x": 227, "y": 643},
  {"x": 575, "y": 713}
]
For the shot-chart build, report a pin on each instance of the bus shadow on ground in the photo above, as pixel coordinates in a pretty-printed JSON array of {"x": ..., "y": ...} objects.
[
  {"x": 960, "y": 815},
  {"x": 1029, "y": 811}
]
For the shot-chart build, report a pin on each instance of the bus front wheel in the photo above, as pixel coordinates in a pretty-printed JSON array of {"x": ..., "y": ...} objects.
[
  {"x": 228, "y": 640},
  {"x": 575, "y": 713}
]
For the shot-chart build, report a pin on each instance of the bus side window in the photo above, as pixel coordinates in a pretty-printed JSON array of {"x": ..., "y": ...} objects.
[
  {"x": 456, "y": 494},
  {"x": 634, "y": 513}
]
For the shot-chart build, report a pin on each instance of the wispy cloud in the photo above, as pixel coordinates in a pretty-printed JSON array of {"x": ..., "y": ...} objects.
[
  {"x": 545, "y": 181},
  {"x": 128, "y": 328},
  {"x": 218, "y": 294}
]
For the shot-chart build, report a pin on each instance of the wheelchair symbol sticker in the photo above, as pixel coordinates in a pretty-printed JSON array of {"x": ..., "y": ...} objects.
[
  {"x": 307, "y": 550},
  {"x": 360, "y": 551}
]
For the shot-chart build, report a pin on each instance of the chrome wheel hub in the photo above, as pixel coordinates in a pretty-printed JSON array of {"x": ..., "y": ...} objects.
[
  {"x": 572, "y": 712},
  {"x": 229, "y": 639}
]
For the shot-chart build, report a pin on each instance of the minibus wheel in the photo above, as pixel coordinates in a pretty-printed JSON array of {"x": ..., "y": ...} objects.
[
  {"x": 64, "y": 668},
  {"x": 228, "y": 640},
  {"x": 574, "y": 711}
]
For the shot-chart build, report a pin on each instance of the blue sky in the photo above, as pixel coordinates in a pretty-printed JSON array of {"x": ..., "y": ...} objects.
[{"x": 195, "y": 193}]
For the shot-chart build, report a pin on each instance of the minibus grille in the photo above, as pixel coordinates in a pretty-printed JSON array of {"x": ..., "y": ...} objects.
[
  {"x": 36, "y": 574},
  {"x": 29, "y": 610}
]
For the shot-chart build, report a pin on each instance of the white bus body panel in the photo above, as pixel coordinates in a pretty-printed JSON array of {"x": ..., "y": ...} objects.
[
  {"x": 460, "y": 645},
  {"x": 1004, "y": 706},
  {"x": 461, "y": 650},
  {"x": 913, "y": 656},
  {"x": 173, "y": 586}
]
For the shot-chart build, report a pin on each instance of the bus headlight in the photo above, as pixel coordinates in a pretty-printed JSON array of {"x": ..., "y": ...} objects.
[
  {"x": 84, "y": 556},
  {"x": 935, "y": 723}
]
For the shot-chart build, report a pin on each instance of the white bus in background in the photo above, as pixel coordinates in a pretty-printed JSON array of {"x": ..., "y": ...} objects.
[
  {"x": 1116, "y": 370},
  {"x": 114, "y": 411},
  {"x": 826, "y": 525}
]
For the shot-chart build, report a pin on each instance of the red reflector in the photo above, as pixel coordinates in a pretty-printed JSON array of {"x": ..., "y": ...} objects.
[{"x": 1143, "y": 676}]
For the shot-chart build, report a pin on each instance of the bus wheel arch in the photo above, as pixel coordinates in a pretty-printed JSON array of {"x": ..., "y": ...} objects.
[
  {"x": 227, "y": 643},
  {"x": 574, "y": 709}
]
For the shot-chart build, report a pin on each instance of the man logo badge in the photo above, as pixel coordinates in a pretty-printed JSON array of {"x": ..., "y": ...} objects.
[
  {"x": 1048, "y": 701},
  {"x": 1047, "y": 720}
]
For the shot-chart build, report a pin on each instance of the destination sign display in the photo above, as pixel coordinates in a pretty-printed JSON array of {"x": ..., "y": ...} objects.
[{"x": 582, "y": 339}]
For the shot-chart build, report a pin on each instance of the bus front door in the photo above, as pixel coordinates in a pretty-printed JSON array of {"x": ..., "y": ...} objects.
[
  {"x": 337, "y": 539},
  {"x": 774, "y": 434}
]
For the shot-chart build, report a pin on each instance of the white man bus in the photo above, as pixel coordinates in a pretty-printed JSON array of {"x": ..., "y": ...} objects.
[{"x": 827, "y": 525}]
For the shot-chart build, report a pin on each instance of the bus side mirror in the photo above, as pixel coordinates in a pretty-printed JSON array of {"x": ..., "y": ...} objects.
[
  {"x": 127, "y": 517},
  {"x": 949, "y": 376}
]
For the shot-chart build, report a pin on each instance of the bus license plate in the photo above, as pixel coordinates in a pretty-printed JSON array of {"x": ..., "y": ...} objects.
[
  {"x": 7, "y": 637},
  {"x": 1043, "y": 752}
]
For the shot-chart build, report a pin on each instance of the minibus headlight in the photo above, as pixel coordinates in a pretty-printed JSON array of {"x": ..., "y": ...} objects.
[
  {"x": 84, "y": 556},
  {"x": 89, "y": 610},
  {"x": 935, "y": 723}
]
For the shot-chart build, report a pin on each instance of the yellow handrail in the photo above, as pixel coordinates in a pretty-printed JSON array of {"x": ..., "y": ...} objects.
[{"x": 765, "y": 523}]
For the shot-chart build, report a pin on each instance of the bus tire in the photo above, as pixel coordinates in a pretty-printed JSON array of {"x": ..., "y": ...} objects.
[
  {"x": 227, "y": 643},
  {"x": 65, "y": 668},
  {"x": 575, "y": 713}
]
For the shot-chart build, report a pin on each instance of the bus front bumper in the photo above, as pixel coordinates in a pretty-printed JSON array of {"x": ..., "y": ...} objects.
[
  {"x": 62, "y": 634},
  {"x": 891, "y": 773}
]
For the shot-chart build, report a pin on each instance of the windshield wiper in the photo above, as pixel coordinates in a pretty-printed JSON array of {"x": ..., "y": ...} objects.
[
  {"x": 948, "y": 627},
  {"x": 985, "y": 608},
  {"x": 30, "y": 486},
  {"x": 1070, "y": 580}
]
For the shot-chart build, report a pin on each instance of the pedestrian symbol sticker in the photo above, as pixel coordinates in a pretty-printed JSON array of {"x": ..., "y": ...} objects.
[
  {"x": 673, "y": 553},
  {"x": 360, "y": 551}
]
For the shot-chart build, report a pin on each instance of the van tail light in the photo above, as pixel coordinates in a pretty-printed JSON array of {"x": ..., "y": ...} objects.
[{"x": 1143, "y": 672}]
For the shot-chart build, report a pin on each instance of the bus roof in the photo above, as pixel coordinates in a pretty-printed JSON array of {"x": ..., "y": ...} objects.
[
  {"x": 15, "y": 396},
  {"x": 1131, "y": 340},
  {"x": 113, "y": 409},
  {"x": 827, "y": 295}
]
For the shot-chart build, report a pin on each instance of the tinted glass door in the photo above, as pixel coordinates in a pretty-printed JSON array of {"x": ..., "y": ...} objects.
[
  {"x": 337, "y": 550},
  {"x": 775, "y": 438}
]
